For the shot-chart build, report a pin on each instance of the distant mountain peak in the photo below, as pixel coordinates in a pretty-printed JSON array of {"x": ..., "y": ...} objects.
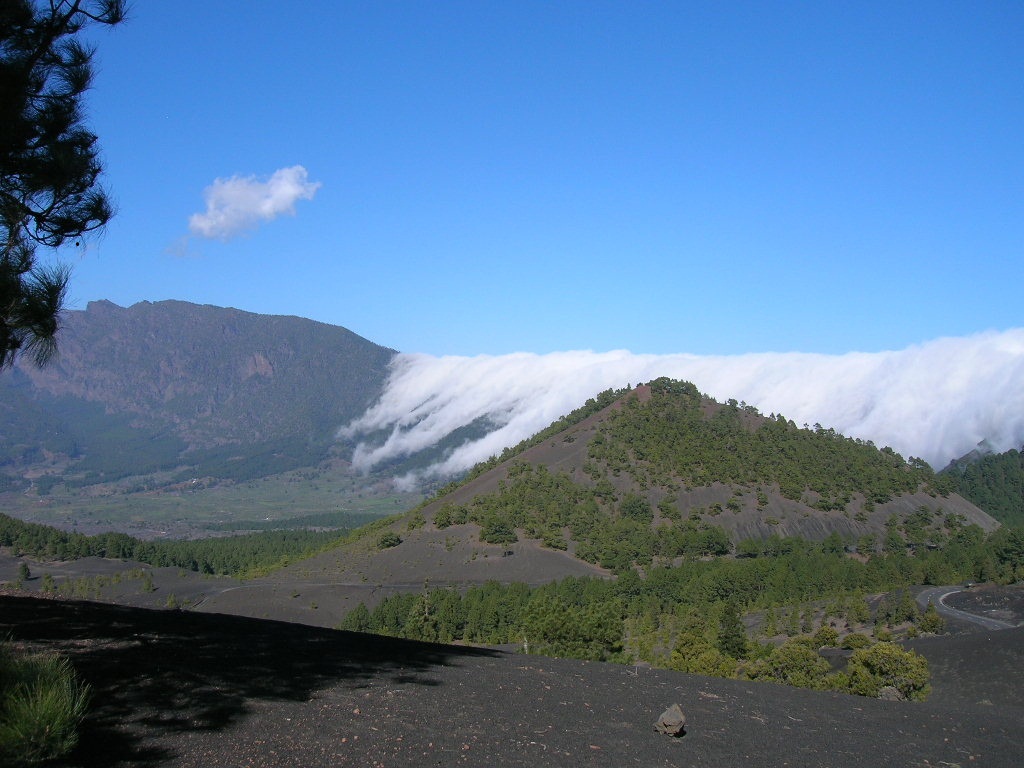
[{"x": 190, "y": 377}]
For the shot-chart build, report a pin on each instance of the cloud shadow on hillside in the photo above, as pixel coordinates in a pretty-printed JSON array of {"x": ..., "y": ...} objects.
[{"x": 155, "y": 673}]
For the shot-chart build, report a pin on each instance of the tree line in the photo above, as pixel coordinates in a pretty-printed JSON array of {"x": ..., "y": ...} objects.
[
  {"x": 229, "y": 555},
  {"x": 688, "y": 617},
  {"x": 679, "y": 436},
  {"x": 622, "y": 530},
  {"x": 995, "y": 483}
]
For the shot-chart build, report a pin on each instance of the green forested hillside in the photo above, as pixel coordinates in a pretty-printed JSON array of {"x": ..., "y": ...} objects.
[
  {"x": 611, "y": 532},
  {"x": 627, "y": 497},
  {"x": 676, "y": 436},
  {"x": 995, "y": 483}
]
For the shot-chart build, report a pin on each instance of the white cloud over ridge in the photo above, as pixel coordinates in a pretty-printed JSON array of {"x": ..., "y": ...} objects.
[
  {"x": 239, "y": 203},
  {"x": 936, "y": 400}
]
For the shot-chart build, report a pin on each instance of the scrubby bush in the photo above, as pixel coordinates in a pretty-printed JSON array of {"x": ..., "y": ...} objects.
[
  {"x": 356, "y": 620},
  {"x": 41, "y": 704},
  {"x": 497, "y": 531},
  {"x": 449, "y": 514},
  {"x": 554, "y": 540},
  {"x": 930, "y": 621},
  {"x": 633, "y": 507},
  {"x": 887, "y": 665},
  {"x": 826, "y": 636},
  {"x": 388, "y": 539},
  {"x": 732, "y": 636},
  {"x": 856, "y": 640},
  {"x": 792, "y": 663},
  {"x": 695, "y": 654}
]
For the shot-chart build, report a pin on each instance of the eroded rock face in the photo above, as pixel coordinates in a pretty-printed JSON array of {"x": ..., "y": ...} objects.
[{"x": 672, "y": 722}]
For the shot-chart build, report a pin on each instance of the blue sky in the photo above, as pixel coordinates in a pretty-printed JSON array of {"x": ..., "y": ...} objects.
[{"x": 491, "y": 177}]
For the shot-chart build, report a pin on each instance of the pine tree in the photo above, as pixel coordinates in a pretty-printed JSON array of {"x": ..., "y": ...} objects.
[
  {"x": 732, "y": 636},
  {"x": 357, "y": 620},
  {"x": 49, "y": 162}
]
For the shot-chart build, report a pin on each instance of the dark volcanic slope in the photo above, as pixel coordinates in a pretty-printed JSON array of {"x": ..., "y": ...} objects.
[
  {"x": 977, "y": 668},
  {"x": 181, "y": 689}
]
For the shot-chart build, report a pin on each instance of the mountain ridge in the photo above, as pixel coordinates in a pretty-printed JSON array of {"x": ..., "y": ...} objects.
[
  {"x": 157, "y": 394},
  {"x": 181, "y": 346}
]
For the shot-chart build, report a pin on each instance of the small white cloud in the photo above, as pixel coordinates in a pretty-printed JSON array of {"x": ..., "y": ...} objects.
[{"x": 237, "y": 204}]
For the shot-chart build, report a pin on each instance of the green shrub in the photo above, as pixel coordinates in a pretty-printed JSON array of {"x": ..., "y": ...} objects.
[
  {"x": 792, "y": 663},
  {"x": 49, "y": 586},
  {"x": 356, "y": 620},
  {"x": 388, "y": 539},
  {"x": 449, "y": 514},
  {"x": 41, "y": 704},
  {"x": 554, "y": 540},
  {"x": 694, "y": 653},
  {"x": 498, "y": 532},
  {"x": 856, "y": 640},
  {"x": 930, "y": 621},
  {"x": 826, "y": 636},
  {"x": 884, "y": 665},
  {"x": 555, "y": 628}
]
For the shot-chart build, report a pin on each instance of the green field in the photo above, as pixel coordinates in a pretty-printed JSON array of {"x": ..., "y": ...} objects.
[{"x": 196, "y": 509}]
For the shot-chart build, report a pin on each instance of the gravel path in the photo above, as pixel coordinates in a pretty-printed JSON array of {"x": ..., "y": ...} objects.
[{"x": 938, "y": 595}]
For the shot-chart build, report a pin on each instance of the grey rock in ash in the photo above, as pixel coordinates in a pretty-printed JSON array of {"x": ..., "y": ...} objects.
[
  {"x": 672, "y": 722},
  {"x": 891, "y": 693}
]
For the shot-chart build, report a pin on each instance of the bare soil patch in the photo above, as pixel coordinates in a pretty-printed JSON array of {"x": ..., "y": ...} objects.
[{"x": 448, "y": 556}]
